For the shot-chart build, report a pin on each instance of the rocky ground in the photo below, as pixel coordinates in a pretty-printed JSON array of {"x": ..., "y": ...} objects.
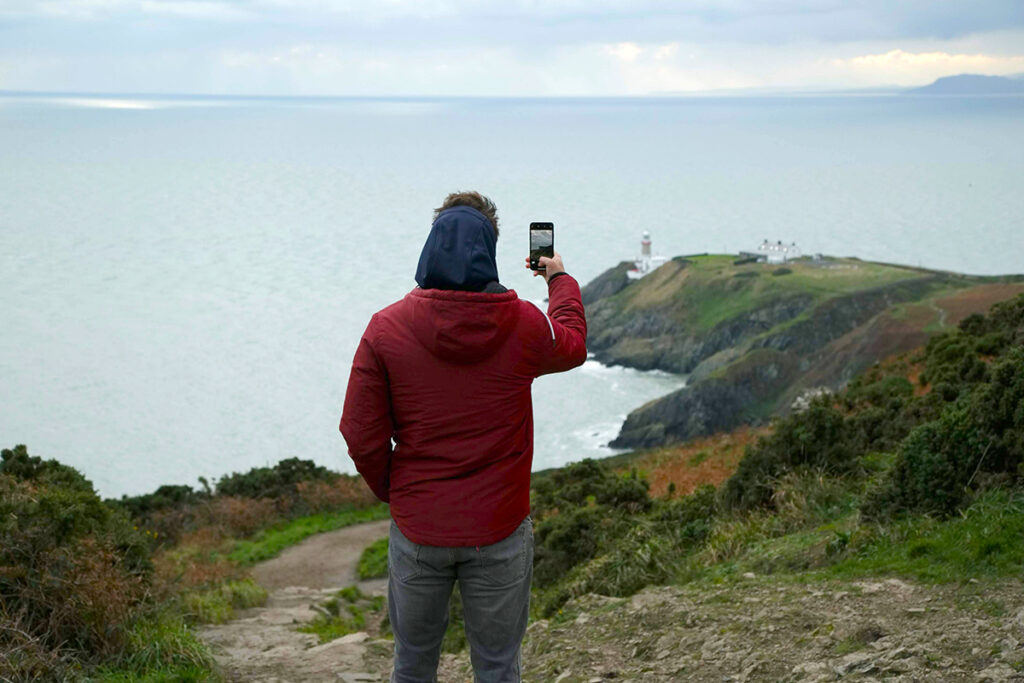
[
  {"x": 753, "y": 629},
  {"x": 766, "y": 630}
]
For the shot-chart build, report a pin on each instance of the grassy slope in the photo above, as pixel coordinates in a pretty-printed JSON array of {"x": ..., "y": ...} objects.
[
  {"x": 700, "y": 292},
  {"x": 704, "y": 291}
]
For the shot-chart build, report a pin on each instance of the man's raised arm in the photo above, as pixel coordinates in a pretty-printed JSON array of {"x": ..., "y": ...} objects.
[{"x": 565, "y": 313}]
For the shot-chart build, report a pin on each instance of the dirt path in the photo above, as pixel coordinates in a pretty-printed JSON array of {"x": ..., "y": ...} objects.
[{"x": 263, "y": 645}]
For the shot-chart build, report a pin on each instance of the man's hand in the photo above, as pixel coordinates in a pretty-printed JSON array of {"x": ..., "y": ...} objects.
[{"x": 550, "y": 266}]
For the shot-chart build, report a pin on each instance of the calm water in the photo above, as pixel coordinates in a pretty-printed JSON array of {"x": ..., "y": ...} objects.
[{"x": 185, "y": 281}]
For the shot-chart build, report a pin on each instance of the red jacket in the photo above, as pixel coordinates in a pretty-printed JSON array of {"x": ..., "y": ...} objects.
[{"x": 446, "y": 375}]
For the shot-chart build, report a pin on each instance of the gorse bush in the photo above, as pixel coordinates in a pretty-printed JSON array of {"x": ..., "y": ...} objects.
[
  {"x": 242, "y": 503},
  {"x": 578, "y": 510},
  {"x": 72, "y": 570},
  {"x": 281, "y": 480},
  {"x": 589, "y": 482},
  {"x": 598, "y": 531},
  {"x": 818, "y": 438},
  {"x": 965, "y": 434},
  {"x": 79, "y": 592},
  {"x": 978, "y": 441}
]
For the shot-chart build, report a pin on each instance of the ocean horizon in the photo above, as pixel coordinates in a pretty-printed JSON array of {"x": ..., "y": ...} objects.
[{"x": 188, "y": 276}]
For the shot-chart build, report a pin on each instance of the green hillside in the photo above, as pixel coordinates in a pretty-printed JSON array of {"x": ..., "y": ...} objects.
[{"x": 754, "y": 337}]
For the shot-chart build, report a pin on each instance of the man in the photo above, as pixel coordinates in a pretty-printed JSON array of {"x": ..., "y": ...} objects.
[{"x": 445, "y": 374}]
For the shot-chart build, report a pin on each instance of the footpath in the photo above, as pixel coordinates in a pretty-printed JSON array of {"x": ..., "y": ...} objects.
[
  {"x": 750, "y": 629},
  {"x": 263, "y": 645}
]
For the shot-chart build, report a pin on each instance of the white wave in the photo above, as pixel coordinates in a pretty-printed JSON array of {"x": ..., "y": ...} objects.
[
  {"x": 597, "y": 368},
  {"x": 108, "y": 103}
]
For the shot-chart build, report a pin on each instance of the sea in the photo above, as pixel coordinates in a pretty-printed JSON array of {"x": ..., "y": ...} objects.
[{"x": 185, "y": 279}]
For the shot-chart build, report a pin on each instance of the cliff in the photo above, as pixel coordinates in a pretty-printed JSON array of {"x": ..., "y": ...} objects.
[{"x": 754, "y": 337}]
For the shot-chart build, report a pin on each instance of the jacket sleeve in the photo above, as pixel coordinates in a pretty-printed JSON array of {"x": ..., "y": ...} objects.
[
  {"x": 366, "y": 420},
  {"x": 568, "y": 326}
]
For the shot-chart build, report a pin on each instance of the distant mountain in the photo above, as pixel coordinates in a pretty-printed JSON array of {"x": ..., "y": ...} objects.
[{"x": 972, "y": 84}]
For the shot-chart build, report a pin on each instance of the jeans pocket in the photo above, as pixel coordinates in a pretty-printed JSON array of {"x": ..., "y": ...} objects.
[
  {"x": 403, "y": 555},
  {"x": 505, "y": 562}
]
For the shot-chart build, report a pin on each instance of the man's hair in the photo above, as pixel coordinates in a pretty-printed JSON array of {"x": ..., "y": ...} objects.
[{"x": 474, "y": 200}]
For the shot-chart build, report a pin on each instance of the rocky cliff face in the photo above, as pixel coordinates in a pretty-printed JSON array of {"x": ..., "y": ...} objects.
[{"x": 753, "y": 338}]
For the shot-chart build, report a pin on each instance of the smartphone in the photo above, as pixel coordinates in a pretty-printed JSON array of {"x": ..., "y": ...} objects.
[{"x": 542, "y": 243}]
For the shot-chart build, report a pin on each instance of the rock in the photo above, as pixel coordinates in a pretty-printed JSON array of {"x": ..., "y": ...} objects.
[
  {"x": 811, "y": 668},
  {"x": 997, "y": 673},
  {"x": 749, "y": 575},
  {"x": 855, "y": 662},
  {"x": 609, "y": 283}
]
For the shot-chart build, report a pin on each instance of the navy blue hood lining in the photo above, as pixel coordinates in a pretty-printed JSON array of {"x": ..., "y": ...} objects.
[{"x": 459, "y": 252}]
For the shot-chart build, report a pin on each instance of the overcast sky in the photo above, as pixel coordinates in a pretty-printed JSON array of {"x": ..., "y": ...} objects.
[{"x": 499, "y": 47}]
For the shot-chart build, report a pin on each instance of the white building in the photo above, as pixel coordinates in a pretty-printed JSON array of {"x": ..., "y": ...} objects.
[
  {"x": 646, "y": 262},
  {"x": 777, "y": 252}
]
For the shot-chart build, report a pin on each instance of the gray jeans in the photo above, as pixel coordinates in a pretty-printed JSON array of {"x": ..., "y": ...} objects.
[{"x": 494, "y": 581}]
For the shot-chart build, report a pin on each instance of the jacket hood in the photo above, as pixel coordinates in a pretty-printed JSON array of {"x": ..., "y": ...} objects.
[
  {"x": 459, "y": 252},
  {"x": 462, "y": 327}
]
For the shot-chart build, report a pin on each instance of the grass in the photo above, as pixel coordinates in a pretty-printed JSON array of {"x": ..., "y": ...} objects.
[
  {"x": 710, "y": 289},
  {"x": 984, "y": 542},
  {"x": 373, "y": 563},
  {"x": 217, "y": 604},
  {"x": 160, "y": 647},
  {"x": 270, "y": 542},
  {"x": 343, "y": 613},
  {"x": 824, "y": 543}
]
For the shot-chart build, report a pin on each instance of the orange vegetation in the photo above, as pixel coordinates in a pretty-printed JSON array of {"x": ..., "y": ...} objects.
[
  {"x": 707, "y": 460},
  {"x": 977, "y": 300}
]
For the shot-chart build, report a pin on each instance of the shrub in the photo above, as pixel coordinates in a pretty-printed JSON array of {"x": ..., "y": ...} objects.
[
  {"x": 818, "y": 437},
  {"x": 589, "y": 482},
  {"x": 564, "y": 540},
  {"x": 71, "y": 568},
  {"x": 281, "y": 480},
  {"x": 979, "y": 439}
]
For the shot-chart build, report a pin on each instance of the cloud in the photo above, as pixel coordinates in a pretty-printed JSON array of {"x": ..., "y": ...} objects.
[
  {"x": 192, "y": 9},
  {"x": 627, "y": 52},
  {"x": 498, "y": 47},
  {"x": 520, "y": 22},
  {"x": 901, "y": 67}
]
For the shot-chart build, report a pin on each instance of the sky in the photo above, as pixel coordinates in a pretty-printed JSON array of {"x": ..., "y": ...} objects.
[{"x": 500, "y": 47}]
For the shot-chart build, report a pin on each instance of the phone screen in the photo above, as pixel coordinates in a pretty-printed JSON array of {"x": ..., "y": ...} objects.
[{"x": 542, "y": 242}]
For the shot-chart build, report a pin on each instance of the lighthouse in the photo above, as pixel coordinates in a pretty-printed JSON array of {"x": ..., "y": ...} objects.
[{"x": 646, "y": 262}]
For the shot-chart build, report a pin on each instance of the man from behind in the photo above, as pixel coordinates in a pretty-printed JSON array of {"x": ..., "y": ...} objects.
[{"x": 438, "y": 419}]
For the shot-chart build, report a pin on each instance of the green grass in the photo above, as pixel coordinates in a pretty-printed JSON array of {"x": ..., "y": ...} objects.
[
  {"x": 160, "y": 647},
  {"x": 984, "y": 542},
  {"x": 217, "y": 605},
  {"x": 345, "y": 612},
  {"x": 711, "y": 290},
  {"x": 373, "y": 563},
  {"x": 268, "y": 543}
]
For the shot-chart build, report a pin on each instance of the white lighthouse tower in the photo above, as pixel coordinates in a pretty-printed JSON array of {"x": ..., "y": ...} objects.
[{"x": 646, "y": 262}]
